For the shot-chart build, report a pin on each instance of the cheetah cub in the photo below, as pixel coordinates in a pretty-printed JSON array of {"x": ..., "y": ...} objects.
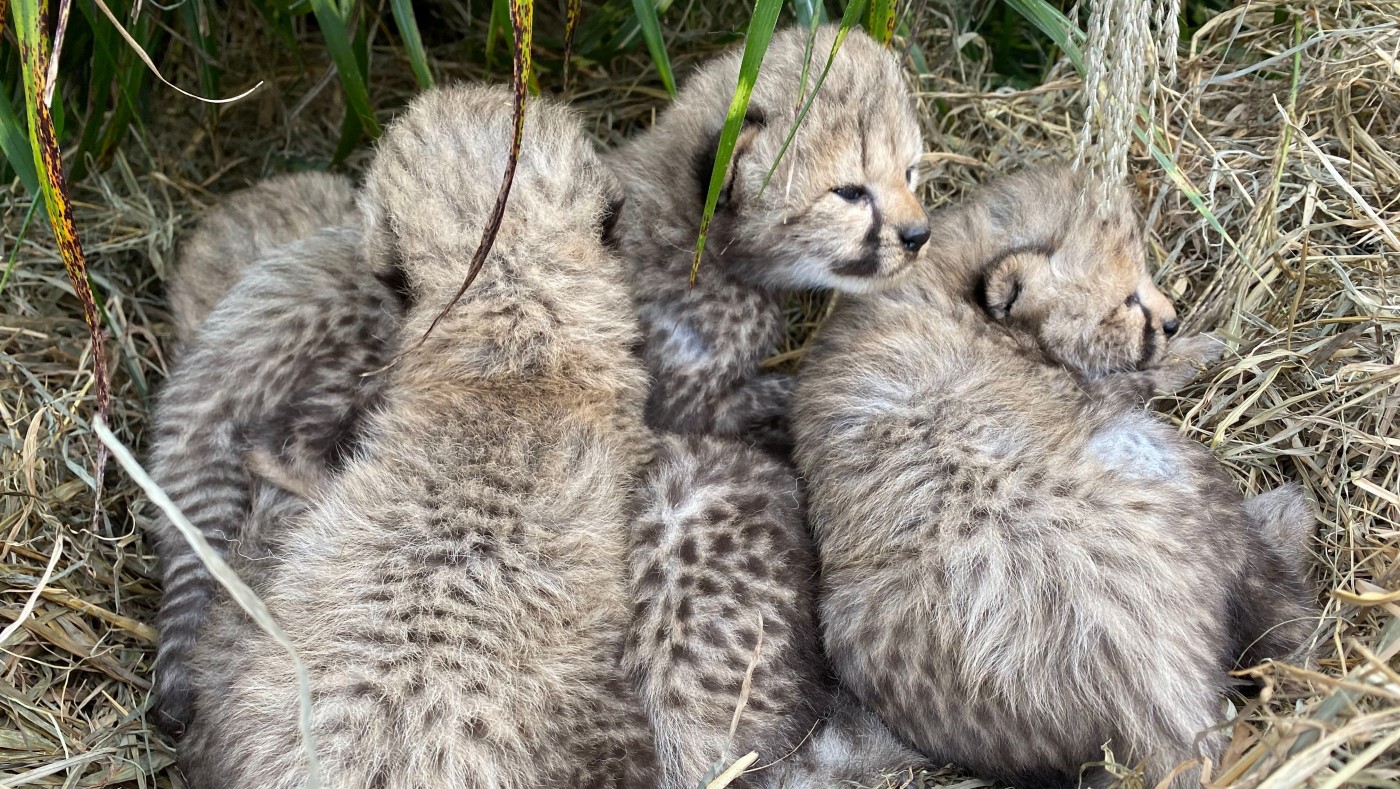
[
  {"x": 269, "y": 378},
  {"x": 838, "y": 213},
  {"x": 1020, "y": 564},
  {"x": 457, "y": 592},
  {"x": 724, "y": 574},
  {"x": 249, "y": 226}
]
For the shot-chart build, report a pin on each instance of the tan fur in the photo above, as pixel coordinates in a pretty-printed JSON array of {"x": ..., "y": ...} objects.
[
  {"x": 1019, "y": 563},
  {"x": 275, "y": 377},
  {"x": 458, "y": 591},
  {"x": 704, "y": 343},
  {"x": 248, "y": 226}
]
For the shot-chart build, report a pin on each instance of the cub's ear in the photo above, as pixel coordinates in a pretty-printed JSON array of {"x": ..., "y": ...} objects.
[
  {"x": 755, "y": 120},
  {"x": 999, "y": 288}
]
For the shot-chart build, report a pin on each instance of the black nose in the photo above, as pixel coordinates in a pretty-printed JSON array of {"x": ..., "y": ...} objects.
[
  {"x": 914, "y": 237},
  {"x": 1171, "y": 326}
]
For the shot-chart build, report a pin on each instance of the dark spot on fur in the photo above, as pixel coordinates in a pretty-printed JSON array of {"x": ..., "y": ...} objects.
[
  {"x": 707, "y": 586},
  {"x": 687, "y": 552},
  {"x": 653, "y": 577},
  {"x": 393, "y": 276},
  {"x": 722, "y": 544}
]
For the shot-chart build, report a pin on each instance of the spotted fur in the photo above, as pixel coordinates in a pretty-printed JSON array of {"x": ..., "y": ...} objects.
[
  {"x": 249, "y": 226},
  {"x": 458, "y": 591},
  {"x": 838, "y": 213},
  {"x": 1021, "y": 564},
  {"x": 268, "y": 392},
  {"x": 724, "y": 580}
]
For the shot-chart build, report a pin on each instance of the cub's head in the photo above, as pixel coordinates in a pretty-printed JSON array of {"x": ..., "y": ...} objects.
[
  {"x": 839, "y": 211},
  {"x": 1051, "y": 265},
  {"x": 436, "y": 175}
]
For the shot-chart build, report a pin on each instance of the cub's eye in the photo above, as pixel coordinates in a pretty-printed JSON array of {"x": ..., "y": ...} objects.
[
  {"x": 1131, "y": 301},
  {"x": 909, "y": 175},
  {"x": 850, "y": 194}
]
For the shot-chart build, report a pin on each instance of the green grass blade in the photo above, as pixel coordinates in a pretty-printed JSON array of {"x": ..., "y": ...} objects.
[
  {"x": 498, "y": 27},
  {"x": 651, "y": 31},
  {"x": 848, "y": 21},
  {"x": 412, "y": 41},
  {"x": 342, "y": 51},
  {"x": 880, "y": 22},
  {"x": 761, "y": 25},
  {"x": 14, "y": 140},
  {"x": 195, "y": 16},
  {"x": 808, "y": 11},
  {"x": 572, "y": 14},
  {"x": 1048, "y": 19},
  {"x": 53, "y": 186}
]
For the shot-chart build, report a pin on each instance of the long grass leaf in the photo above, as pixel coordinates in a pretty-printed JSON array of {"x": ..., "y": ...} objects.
[
  {"x": 498, "y": 26},
  {"x": 522, "y": 22},
  {"x": 848, "y": 21},
  {"x": 195, "y": 15},
  {"x": 809, "y": 11},
  {"x": 338, "y": 43},
  {"x": 760, "y": 34},
  {"x": 14, "y": 141},
  {"x": 651, "y": 31},
  {"x": 412, "y": 41},
  {"x": 880, "y": 23},
  {"x": 34, "y": 206},
  {"x": 239, "y": 591},
  {"x": 48, "y": 164},
  {"x": 141, "y": 53},
  {"x": 573, "y": 12},
  {"x": 1050, "y": 21}
]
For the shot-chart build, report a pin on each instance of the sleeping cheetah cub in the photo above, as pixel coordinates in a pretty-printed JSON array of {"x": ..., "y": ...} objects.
[
  {"x": 725, "y": 576},
  {"x": 1019, "y": 563},
  {"x": 271, "y": 380},
  {"x": 839, "y": 213},
  {"x": 249, "y": 226},
  {"x": 458, "y": 590}
]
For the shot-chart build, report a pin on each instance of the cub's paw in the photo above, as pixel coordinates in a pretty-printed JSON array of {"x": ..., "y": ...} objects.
[
  {"x": 1186, "y": 358},
  {"x": 172, "y": 705}
]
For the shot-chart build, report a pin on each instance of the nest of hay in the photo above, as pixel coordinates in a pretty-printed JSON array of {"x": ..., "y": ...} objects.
[{"x": 1275, "y": 219}]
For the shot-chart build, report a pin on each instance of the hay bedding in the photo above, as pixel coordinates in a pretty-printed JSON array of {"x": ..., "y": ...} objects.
[{"x": 1288, "y": 124}]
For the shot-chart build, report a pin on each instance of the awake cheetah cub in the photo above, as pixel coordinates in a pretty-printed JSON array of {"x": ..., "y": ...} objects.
[
  {"x": 724, "y": 575},
  {"x": 1019, "y": 563},
  {"x": 839, "y": 213},
  {"x": 458, "y": 591},
  {"x": 272, "y": 378}
]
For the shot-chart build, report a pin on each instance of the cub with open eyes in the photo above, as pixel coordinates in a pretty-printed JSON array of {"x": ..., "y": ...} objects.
[
  {"x": 457, "y": 592},
  {"x": 1020, "y": 564},
  {"x": 723, "y": 567},
  {"x": 838, "y": 213}
]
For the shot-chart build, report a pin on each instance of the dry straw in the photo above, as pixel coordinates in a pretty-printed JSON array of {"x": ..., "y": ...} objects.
[{"x": 1284, "y": 118}]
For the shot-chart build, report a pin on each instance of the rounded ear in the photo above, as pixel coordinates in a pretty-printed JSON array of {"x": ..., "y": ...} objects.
[{"x": 754, "y": 122}]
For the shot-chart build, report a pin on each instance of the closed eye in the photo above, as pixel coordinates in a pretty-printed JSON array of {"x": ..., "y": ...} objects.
[
  {"x": 909, "y": 176},
  {"x": 850, "y": 193}
]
